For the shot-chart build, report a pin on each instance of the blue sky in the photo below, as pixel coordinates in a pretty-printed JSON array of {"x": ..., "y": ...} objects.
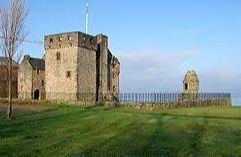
[{"x": 156, "y": 41}]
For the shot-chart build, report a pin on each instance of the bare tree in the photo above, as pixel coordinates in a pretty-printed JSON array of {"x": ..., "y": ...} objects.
[{"x": 12, "y": 24}]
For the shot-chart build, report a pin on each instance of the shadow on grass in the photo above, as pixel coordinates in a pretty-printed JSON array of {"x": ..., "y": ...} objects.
[
  {"x": 95, "y": 131},
  {"x": 23, "y": 124},
  {"x": 143, "y": 140},
  {"x": 129, "y": 141},
  {"x": 137, "y": 140},
  {"x": 205, "y": 116},
  {"x": 24, "y": 110},
  {"x": 195, "y": 137},
  {"x": 182, "y": 115}
]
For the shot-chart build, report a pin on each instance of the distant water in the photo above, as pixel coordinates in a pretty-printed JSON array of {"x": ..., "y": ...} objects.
[{"x": 236, "y": 99}]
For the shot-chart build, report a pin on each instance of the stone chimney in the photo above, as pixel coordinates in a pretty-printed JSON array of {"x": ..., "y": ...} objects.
[{"x": 26, "y": 57}]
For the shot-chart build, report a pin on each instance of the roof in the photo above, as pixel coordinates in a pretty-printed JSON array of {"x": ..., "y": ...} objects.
[
  {"x": 3, "y": 61},
  {"x": 37, "y": 63}
]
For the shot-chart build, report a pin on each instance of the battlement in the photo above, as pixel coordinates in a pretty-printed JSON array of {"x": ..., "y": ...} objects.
[{"x": 71, "y": 39}]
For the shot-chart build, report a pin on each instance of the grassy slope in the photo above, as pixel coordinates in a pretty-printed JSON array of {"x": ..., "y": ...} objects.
[{"x": 103, "y": 131}]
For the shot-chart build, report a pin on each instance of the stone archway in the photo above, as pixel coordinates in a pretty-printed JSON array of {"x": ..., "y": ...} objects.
[{"x": 36, "y": 94}]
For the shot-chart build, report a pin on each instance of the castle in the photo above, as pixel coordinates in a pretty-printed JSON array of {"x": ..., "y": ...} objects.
[{"x": 77, "y": 67}]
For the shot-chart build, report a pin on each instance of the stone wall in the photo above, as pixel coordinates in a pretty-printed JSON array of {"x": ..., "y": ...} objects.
[
  {"x": 86, "y": 74},
  {"x": 103, "y": 67},
  {"x": 60, "y": 86},
  {"x": 25, "y": 77},
  {"x": 39, "y": 83},
  {"x": 116, "y": 73},
  {"x": 175, "y": 105},
  {"x": 4, "y": 82},
  {"x": 31, "y": 79}
]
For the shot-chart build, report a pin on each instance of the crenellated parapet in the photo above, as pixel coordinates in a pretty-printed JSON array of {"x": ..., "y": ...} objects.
[{"x": 72, "y": 39}]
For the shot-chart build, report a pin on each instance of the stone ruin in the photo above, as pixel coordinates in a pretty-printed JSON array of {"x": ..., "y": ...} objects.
[
  {"x": 190, "y": 86},
  {"x": 191, "y": 82}
]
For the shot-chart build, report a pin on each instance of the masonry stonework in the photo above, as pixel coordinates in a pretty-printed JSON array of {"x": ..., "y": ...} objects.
[
  {"x": 86, "y": 75},
  {"x": 4, "y": 80},
  {"x": 31, "y": 78},
  {"x": 190, "y": 86},
  {"x": 191, "y": 82},
  {"x": 80, "y": 67},
  {"x": 61, "y": 74},
  {"x": 25, "y": 80},
  {"x": 116, "y": 73}
]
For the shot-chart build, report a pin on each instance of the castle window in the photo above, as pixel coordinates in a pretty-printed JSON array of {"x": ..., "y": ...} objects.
[
  {"x": 68, "y": 74},
  {"x": 37, "y": 71},
  {"x": 42, "y": 82},
  {"x": 51, "y": 40},
  {"x": 186, "y": 86},
  {"x": 58, "y": 56},
  {"x": 69, "y": 38},
  {"x": 60, "y": 39}
]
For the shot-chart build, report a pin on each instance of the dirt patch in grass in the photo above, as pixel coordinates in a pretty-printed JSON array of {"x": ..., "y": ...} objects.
[
  {"x": 24, "y": 108},
  {"x": 20, "y": 102}
]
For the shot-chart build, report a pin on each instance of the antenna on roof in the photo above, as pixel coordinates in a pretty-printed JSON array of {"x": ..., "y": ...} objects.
[{"x": 87, "y": 17}]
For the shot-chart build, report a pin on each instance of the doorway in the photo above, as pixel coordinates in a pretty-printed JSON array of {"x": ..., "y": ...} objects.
[
  {"x": 186, "y": 86},
  {"x": 36, "y": 94}
]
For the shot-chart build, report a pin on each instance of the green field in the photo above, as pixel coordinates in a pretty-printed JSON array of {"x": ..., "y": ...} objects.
[{"x": 60, "y": 130}]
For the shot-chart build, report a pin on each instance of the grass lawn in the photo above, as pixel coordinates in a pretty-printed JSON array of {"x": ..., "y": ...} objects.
[{"x": 104, "y": 131}]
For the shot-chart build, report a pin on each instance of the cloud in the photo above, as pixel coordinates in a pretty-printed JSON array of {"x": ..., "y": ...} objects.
[
  {"x": 164, "y": 72},
  {"x": 220, "y": 80},
  {"x": 153, "y": 71}
]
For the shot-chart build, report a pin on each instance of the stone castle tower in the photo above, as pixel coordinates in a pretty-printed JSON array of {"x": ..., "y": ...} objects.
[
  {"x": 191, "y": 83},
  {"x": 80, "y": 67}
]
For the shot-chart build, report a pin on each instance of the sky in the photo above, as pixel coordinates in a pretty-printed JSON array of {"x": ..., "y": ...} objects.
[{"x": 156, "y": 41}]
